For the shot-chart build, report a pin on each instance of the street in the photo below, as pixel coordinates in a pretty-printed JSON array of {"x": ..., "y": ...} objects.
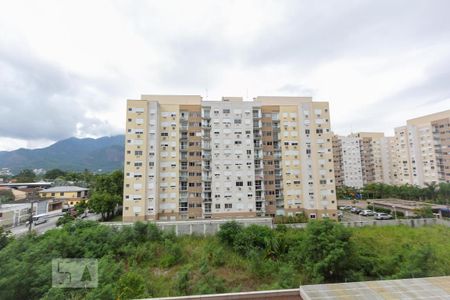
[{"x": 50, "y": 224}]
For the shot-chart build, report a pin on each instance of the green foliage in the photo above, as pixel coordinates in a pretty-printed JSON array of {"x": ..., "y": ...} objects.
[
  {"x": 6, "y": 196},
  {"x": 130, "y": 286},
  {"x": 171, "y": 254},
  {"x": 182, "y": 280},
  {"x": 300, "y": 218},
  {"x": 54, "y": 173},
  {"x": 65, "y": 219},
  {"x": 25, "y": 175},
  {"x": 326, "y": 251},
  {"x": 228, "y": 232},
  {"x": 436, "y": 193},
  {"x": 253, "y": 238},
  {"x": 107, "y": 194},
  {"x": 424, "y": 212},
  {"x": 140, "y": 261},
  {"x": 5, "y": 237}
]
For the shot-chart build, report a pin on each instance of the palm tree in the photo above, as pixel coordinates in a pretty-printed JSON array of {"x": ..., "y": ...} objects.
[{"x": 431, "y": 190}]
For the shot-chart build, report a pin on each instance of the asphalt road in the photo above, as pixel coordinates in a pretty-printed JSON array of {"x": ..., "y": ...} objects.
[{"x": 50, "y": 224}]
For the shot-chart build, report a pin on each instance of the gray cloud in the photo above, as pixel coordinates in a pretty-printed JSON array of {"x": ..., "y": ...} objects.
[
  {"x": 43, "y": 100},
  {"x": 317, "y": 31},
  {"x": 40, "y": 100},
  {"x": 412, "y": 101}
]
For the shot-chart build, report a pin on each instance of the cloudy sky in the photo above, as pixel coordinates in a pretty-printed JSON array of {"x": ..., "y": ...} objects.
[{"x": 67, "y": 67}]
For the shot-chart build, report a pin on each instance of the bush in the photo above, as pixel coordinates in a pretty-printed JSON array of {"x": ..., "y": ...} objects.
[
  {"x": 228, "y": 232},
  {"x": 299, "y": 218},
  {"x": 172, "y": 254},
  {"x": 253, "y": 237}
]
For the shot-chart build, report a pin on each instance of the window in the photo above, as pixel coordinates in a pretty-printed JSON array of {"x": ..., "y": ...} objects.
[
  {"x": 164, "y": 134},
  {"x": 218, "y": 206},
  {"x": 249, "y": 183},
  {"x": 226, "y": 111},
  {"x": 228, "y": 205},
  {"x": 239, "y": 183}
]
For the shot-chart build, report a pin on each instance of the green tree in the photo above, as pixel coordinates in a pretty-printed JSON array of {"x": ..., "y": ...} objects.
[
  {"x": 54, "y": 173},
  {"x": 228, "y": 232},
  {"x": 25, "y": 175},
  {"x": 107, "y": 194},
  {"x": 104, "y": 203},
  {"x": 326, "y": 251},
  {"x": 424, "y": 212}
]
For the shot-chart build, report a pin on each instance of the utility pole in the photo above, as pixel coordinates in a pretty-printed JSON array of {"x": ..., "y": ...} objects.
[{"x": 31, "y": 217}]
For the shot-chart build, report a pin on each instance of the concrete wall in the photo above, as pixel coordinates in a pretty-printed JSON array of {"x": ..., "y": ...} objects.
[
  {"x": 210, "y": 227},
  {"x": 407, "y": 222},
  {"x": 200, "y": 227}
]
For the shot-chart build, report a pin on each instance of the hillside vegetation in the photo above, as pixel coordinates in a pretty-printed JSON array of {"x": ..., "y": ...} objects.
[
  {"x": 71, "y": 154},
  {"x": 141, "y": 261}
]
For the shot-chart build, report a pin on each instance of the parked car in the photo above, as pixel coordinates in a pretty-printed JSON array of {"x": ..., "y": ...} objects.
[
  {"x": 355, "y": 210},
  {"x": 347, "y": 207},
  {"x": 383, "y": 216},
  {"x": 366, "y": 213},
  {"x": 340, "y": 214}
]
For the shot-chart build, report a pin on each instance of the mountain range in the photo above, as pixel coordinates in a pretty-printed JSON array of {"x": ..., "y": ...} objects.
[{"x": 72, "y": 154}]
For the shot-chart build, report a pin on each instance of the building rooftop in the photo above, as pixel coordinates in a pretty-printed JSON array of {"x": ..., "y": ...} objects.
[
  {"x": 418, "y": 288},
  {"x": 62, "y": 189}
]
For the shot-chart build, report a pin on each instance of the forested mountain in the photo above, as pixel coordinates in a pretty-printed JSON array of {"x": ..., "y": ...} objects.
[{"x": 72, "y": 154}]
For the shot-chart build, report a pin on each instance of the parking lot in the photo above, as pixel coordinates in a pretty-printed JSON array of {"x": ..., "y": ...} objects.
[{"x": 351, "y": 217}]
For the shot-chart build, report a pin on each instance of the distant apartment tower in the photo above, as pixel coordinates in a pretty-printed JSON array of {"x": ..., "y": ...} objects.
[
  {"x": 362, "y": 158},
  {"x": 186, "y": 158},
  {"x": 422, "y": 150},
  {"x": 347, "y": 154}
]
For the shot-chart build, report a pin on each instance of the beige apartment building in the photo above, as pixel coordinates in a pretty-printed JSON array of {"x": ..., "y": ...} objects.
[
  {"x": 186, "y": 158},
  {"x": 362, "y": 158},
  {"x": 422, "y": 150},
  {"x": 417, "y": 154}
]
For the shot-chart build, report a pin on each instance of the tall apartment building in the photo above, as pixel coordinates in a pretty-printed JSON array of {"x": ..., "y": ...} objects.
[
  {"x": 422, "y": 150},
  {"x": 186, "y": 158},
  {"x": 363, "y": 158},
  {"x": 417, "y": 154}
]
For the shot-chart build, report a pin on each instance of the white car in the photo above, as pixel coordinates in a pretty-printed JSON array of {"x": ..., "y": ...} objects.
[
  {"x": 383, "y": 216},
  {"x": 366, "y": 212}
]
